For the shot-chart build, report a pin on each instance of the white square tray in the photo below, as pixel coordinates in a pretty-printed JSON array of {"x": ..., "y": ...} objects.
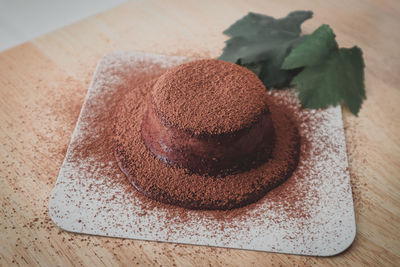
[{"x": 81, "y": 204}]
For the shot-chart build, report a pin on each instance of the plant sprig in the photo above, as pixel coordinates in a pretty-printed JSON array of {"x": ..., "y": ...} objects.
[{"x": 275, "y": 50}]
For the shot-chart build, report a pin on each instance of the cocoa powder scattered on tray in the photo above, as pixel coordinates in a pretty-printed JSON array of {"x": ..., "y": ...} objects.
[
  {"x": 96, "y": 145},
  {"x": 100, "y": 174}
]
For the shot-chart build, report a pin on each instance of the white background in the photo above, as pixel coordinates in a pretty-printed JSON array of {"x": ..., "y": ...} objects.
[{"x": 23, "y": 20}]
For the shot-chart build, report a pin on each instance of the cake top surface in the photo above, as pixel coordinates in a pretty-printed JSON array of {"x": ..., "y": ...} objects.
[{"x": 209, "y": 96}]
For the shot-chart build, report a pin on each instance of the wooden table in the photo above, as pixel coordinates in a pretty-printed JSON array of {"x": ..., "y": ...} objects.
[{"x": 43, "y": 83}]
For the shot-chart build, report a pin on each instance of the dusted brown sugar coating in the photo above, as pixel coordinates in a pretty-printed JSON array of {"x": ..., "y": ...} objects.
[
  {"x": 209, "y": 96},
  {"x": 212, "y": 148}
]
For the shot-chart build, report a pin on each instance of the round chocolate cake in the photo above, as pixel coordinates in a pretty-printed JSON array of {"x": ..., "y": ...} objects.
[
  {"x": 207, "y": 137},
  {"x": 210, "y": 117}
]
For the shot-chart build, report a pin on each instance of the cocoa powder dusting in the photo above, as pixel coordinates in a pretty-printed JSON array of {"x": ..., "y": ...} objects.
[
  {"x": 209, "y": 96},
  {"x": 289, "y": 205},
  {"x": 97, "y": 144}
]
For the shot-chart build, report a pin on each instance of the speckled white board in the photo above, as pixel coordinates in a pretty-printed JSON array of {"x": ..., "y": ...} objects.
[{"x": 328, "y": 228}]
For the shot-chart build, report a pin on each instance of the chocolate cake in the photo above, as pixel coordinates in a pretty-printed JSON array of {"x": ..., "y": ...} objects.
[
  {"x": 210, "y": 117},
  {"x": 206, "y": 137}
]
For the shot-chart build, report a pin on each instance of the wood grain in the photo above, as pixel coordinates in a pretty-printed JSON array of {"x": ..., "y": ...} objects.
[{"x": 43, "y": 83}]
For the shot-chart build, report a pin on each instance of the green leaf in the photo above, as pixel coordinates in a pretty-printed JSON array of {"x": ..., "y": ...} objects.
[
  {"x": 261, "y": 43},
  {"x": 331, "y": 76},
  {"x": 339, "y": 78},
  {"x": 313, "y": 50}
]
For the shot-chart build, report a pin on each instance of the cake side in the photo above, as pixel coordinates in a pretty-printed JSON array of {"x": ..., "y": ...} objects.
[{"x": 217, "y": 154}]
